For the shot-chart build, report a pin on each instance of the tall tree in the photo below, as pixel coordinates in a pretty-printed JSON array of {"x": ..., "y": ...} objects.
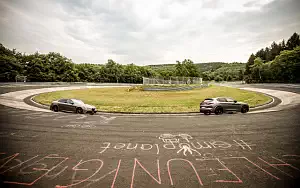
[
  {"x": 249, "y": 63},
  {"x": 293, "y": 41},
  {"x": 261, "y": 53},
  {"x": 275, "y": 50},
  {"x": 257, "y": 67}
]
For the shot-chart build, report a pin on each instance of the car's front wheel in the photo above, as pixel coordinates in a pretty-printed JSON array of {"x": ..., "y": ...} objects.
[
  {"x": 79, "y": 111},
  {"x": 244, "y": 109},
  {"x": 219, "y": 110},
  {"x": 55, "y": 108}
]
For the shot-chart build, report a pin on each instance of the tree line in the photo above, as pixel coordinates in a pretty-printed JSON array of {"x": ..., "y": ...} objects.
[
  {"x": 277, "y": 63},
  {"x": 54, "y": 67},
  {"x": 218, "y": 71}
]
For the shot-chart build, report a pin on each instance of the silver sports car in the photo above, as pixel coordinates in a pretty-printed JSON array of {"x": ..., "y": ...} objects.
[
  {"x": 222, "y": 104},
  {"x": 73, "y": 105}
]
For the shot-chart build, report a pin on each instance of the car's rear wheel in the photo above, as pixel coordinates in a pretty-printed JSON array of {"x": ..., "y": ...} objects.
[
  {"x": 219, "y": 110},
  {"x": 55, "y": 108},
  {"x": 79, "y": 111},
  {"x": 244, "y": 109}
]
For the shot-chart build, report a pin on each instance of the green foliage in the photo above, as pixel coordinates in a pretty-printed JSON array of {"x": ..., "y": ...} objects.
[
  {"x": 293, "y": 42},
  {"x": 256, "y": 69},
  {"x": 286, "y": 66},
  {"x": 186, "y": 68},
  {"x": 218, "y": 78},
  {"x": 10, "y": 64},
  {"x": 279, "y": 63},
  {"x": 227, "y": 72},
  {"x": 208, "y": 71}
]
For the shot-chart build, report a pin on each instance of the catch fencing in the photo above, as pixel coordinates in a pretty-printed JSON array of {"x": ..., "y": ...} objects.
[{"x": 172, "y": 80}]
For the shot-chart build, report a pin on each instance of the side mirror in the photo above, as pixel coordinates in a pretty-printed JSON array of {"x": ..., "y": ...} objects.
[{"x": 235, "y": 101}]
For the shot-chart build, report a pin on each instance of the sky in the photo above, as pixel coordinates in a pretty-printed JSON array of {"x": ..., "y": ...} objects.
[{"x": 147, "y": 32}]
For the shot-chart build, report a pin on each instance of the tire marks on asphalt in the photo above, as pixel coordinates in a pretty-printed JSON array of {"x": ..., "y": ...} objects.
[{"x": 63, "y": 120}]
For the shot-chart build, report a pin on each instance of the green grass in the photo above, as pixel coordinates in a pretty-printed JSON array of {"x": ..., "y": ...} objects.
[{"x": 121, "y": 100}]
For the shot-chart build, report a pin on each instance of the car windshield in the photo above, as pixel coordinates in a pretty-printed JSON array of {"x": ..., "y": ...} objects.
[
  {"x": 229, "y": 100},
  {"x": 77, "y": 101}
]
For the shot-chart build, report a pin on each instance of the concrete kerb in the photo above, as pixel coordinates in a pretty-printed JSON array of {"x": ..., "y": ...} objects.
[
  {"x": 288, "y": 99},
  {"x": 16, "y": 100},
  {"x": 32, "y": 102}
]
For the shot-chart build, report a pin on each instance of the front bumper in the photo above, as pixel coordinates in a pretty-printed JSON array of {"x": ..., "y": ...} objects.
[{"x": 93, "y": 110}]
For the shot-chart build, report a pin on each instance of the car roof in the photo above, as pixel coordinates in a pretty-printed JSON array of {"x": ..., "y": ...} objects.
[
  {"x": 215, "y": 98},
  {"x": 223, "y": 97},
  {"x": 76, "y": 99}
]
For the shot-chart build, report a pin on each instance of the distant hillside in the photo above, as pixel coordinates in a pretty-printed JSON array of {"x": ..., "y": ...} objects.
[
  {"x": 210, "y": 66},
  {"x": 203, "y": 67},
  {"x": 210, "y": 71},
  {"x": 162, "y": 66}
]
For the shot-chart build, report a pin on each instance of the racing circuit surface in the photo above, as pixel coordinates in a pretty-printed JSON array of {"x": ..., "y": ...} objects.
[{"x": 42, "y": 149}]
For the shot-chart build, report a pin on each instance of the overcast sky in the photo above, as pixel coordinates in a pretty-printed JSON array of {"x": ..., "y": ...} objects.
[{"x": 147, "y": 32}]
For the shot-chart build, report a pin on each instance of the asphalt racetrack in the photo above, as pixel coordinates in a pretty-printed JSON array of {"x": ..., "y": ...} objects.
[{"x": 41, "y": 149}]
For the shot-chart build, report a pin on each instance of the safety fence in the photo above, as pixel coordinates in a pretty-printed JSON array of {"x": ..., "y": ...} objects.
[{"x": 172, "y": 80}]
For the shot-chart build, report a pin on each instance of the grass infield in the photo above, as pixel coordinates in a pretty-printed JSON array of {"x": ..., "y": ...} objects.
[{"x": 128, "y": 100}]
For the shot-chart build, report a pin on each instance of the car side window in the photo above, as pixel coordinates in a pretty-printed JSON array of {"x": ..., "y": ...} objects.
[
  {"x": 221, "y": 99},
  {"x": 63, "y": 100},
  {"x": 229, "y": 100},
  {"x": 69, "y": 101}
]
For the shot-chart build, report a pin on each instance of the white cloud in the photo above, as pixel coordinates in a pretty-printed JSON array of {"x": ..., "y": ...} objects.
[{"x": 147, "y": 32}]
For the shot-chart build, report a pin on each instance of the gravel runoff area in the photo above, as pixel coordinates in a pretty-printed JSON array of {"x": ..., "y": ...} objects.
[{"x": 15, "y": 99}]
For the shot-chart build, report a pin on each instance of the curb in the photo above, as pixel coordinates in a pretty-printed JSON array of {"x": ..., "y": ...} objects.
[
  {"x": 29, "y": 100},
  {"x": 274, "y": 102}
]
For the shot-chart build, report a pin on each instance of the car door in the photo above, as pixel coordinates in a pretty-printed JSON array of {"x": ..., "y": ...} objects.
[
  {"x": 62, "y": 104},
  {"x": 232, "y": 105},
  {"x": 70, "y": 105},
  {"x": 223, "y": 103}
]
